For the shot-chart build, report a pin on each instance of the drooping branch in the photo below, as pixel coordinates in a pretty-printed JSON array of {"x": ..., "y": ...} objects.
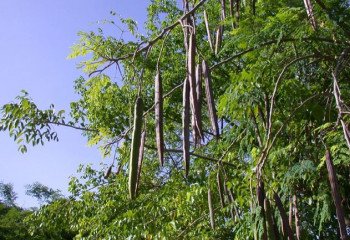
[
  {"x": 270, "y": 42},
  {"x": 337, "y": 94},
  {"x": 144, "y": 46},
  {"x": 267, "y": 148},
  {"x": 273, "y": 97},
  {"x": 72, "y": 126}
]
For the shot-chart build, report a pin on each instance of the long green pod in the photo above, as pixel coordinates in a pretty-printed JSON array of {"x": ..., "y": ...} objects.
[
  {"x": 158, "y": 99},
  {"x": 140, "y": 161},
  {"x": 135, "y": 147},
  {"x": 208, "y": 30},
  {"x": 199, "y": 101},
  {"x": 336, "y": 196},
  {"x": 210, "y": 100},
  {"x": 221, "y": 189},
  {"x": 211, "y": 210},
  {"x": 186, "y": 126},
  {"x": 287, "y": 229},
  {"x": 191, "y": 68}
]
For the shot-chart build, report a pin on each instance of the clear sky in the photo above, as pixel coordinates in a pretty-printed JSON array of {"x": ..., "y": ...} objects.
[{"x": 35, "y": 39}]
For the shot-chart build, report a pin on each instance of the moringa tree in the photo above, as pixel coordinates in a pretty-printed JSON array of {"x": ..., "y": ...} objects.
[{"x": 242, "y": 101}]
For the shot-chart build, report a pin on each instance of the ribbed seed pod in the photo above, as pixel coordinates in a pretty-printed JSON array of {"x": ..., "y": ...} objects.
[
  {"x": 221, "y": 189},
  {"x": 232, "y": 14},
  {"x": 237, "y": 14},
  {"x": 158, "y": 99},
  {"x": 186, "y": 125},
  {"x": 271, "y": 226},
  {"x": 199, "y": 101},
  {"x": 139, "y": 166},
  {"x": 211, "y": 210},
  {"x": 210, "y": 100},
  {"x": 336, "y": 195},
  {"x": 310, "y": 13},
  {"x": 260, "y": 192},
  {"x": 218, "y": 39},
  {"x": 118, "y": 169},
  {"x": 135, "y": 147},
  {"x": 296, "y": 217},
  {"x": 208, "y": 30},
  {"x": 284, "y": 218},
  {"x": 108, "y": 172},
  {"x": 223, "y": 9},
  {"x": 191, "y": 68}
]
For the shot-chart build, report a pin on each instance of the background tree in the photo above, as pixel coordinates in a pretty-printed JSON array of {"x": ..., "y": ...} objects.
[{"x": 7, "y": 194}]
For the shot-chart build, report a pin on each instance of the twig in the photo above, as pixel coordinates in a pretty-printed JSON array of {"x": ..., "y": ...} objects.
[
  {"x": 211, "y": 159},
  {"x": 72, "y": 126},
  {"x": 273, "y": 97},
  {"x": 267, "y": 148},
  {"x": 269, "y": 43},
  {"x": 161, "y": 35}
]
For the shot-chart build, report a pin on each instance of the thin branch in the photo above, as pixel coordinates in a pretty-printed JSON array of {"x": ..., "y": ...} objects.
[
  {"x": 72, "y": 126},
  {"x": 161, "y": 35},
  {"x": 276, "y": 87},
  {"x": 267, "y": 148},
  {"x": 269, "y": 43},
  {"x": 211, "y": 159}
]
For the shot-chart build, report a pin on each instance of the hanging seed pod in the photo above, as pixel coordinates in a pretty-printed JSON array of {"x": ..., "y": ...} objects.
[
  {"x": 272, "y": 228},
  {"x": 336, "y": 196},
  {"x": 296, "y": 217},
  {"x": 211, "y": 210},
  {"x": 290, "y": 216},
  {"x": 237, "y": 14},
  {"x": 141, "y": 152},
  {"x": 208, "y": 30},
  {"x": 191, "y": 68},
  {"x": 223, "y": 9},
  {"x": 210, "y": 100},
  {"x": 186, "y": 125},
  {"x": 232, "y": 14},
  {"x": 254, "y": 7},
  {"x": 287, "y": 230},
  {"x": 118, "y": 169},
  {"x": 260, "y": 192},
  {"x": 310, "y": 13},
  {"x": 199, "y": 100},
  {"x": 191, "y": 58},
  {"x": 158, "y": 99},
  {"x": 221, "y": 189},
  {"x": 108, "y": 172},
  {"x": 218, "y": 39},
  {"x": 135, "y": 147}
]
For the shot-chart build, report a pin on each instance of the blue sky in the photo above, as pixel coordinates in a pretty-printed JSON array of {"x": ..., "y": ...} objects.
[{"x": 35, "y": 39}]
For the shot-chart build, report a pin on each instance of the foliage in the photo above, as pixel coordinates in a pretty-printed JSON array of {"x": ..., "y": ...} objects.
[
  {"x": 42, "y": 193},
  {"x": 273, "y": 80},
  {"x": 7, "y": 194}
]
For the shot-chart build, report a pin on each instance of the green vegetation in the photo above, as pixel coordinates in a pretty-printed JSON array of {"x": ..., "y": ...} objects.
[{"x": 249, "y": 134}]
